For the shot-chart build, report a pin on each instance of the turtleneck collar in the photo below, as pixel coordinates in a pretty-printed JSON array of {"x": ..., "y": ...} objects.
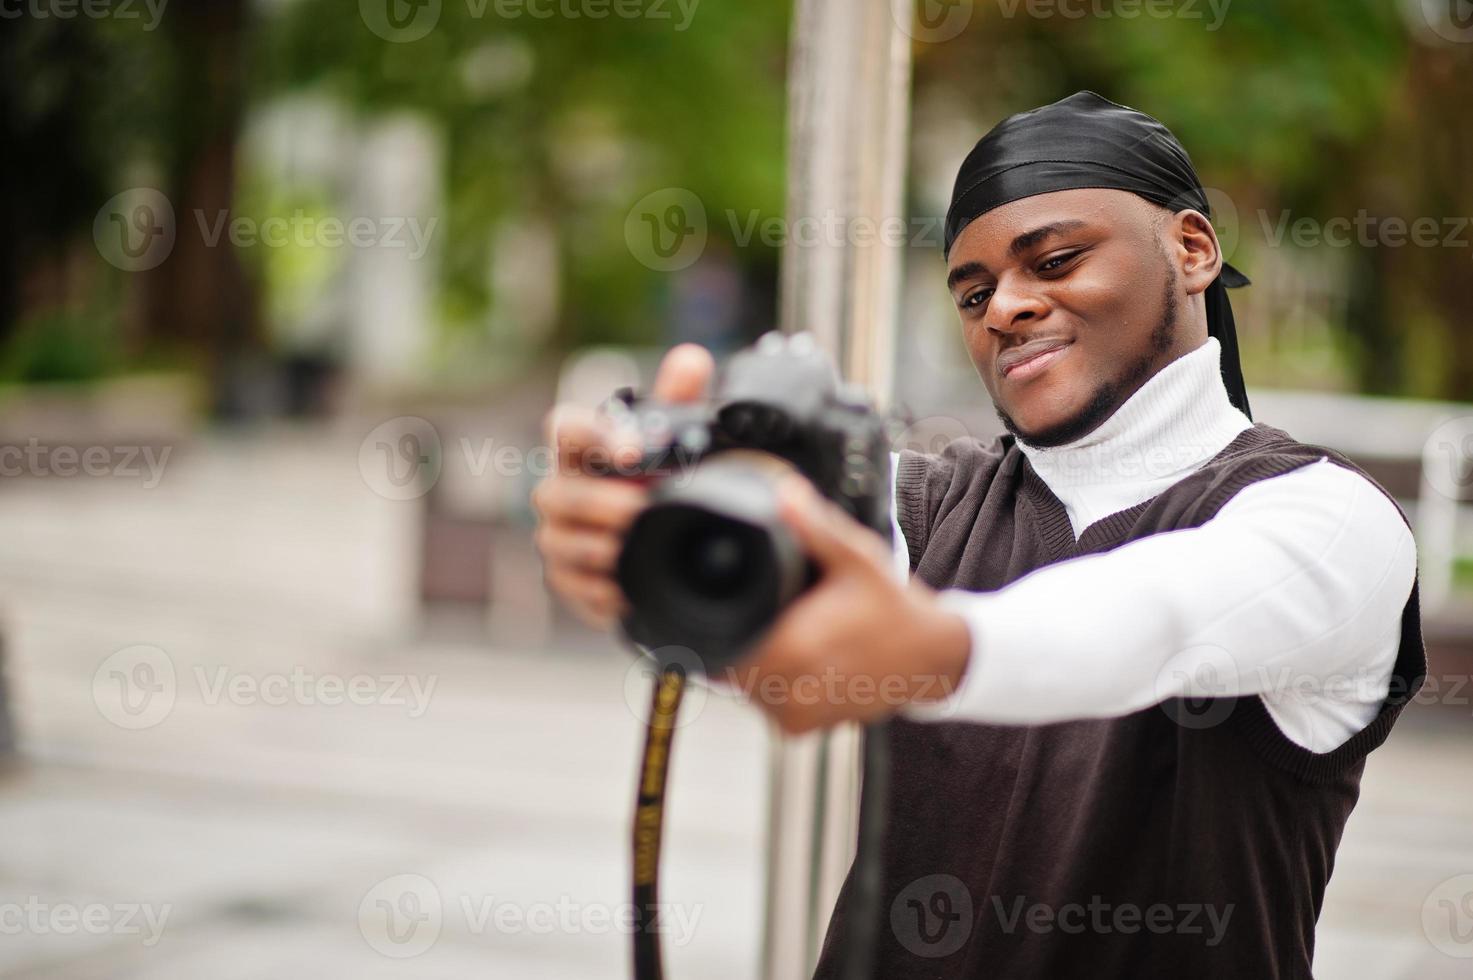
[{"x": 1175, "y": 422}]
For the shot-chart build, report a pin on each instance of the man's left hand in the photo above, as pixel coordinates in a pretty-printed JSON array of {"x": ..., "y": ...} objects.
[{"x": 860, "y": 643}]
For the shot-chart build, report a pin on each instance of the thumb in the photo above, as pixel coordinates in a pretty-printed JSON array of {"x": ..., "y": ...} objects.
[
  {"x": 826, "y": 533},
  {"x": 685, "y": 372}
]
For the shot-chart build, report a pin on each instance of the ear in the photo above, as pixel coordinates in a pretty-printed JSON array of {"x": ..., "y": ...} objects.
[{"x": 1193, "y": 243}]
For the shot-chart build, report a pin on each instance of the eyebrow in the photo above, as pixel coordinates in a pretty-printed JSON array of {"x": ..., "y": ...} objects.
[{"x": 1021, "y": 244}]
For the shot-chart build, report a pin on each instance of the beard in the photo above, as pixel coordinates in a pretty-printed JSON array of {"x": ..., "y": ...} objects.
[{"x": 1110, "y": 394}]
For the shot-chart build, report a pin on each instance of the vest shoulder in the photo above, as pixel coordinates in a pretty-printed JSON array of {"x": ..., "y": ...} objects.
[
  {"x": 1265, "y": 450},
  {"x": 1258, "y": 453}
]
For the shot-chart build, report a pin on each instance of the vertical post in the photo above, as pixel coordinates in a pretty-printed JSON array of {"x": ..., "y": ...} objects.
[{"x": 848, "y": 128}]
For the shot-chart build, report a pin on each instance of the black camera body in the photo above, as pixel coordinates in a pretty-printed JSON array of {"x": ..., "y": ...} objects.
[{"x": 708, "y": 565}]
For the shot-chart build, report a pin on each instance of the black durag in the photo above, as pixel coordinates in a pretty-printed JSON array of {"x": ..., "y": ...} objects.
[{"x": 1088, "y": 141}]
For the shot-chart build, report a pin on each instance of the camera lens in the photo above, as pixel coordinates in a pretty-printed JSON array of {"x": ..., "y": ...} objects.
[
  {"x": 708, "y": 565},
  {"x": 716, "y": 564}
]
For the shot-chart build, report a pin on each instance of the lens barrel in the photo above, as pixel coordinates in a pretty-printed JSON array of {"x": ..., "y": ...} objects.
[{"x": 708, "y": 565}]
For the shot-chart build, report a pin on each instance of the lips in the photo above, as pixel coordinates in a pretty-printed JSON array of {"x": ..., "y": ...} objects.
[{"x": 1014, "y": 356}]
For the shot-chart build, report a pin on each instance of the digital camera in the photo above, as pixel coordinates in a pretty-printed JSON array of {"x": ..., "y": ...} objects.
[{"x": 708, "y": 565}]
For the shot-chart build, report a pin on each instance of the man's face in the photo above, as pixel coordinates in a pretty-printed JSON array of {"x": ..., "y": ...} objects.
[{"x": 1085, "y": 274}]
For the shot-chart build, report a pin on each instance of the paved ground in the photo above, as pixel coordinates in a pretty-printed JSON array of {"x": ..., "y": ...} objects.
[{"x": 469, "y": 805}]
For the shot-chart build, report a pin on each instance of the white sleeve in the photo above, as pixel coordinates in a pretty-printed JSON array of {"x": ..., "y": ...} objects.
[
  {"x": 897, "y": 536},
  {"x": 1295, "y": 587}
]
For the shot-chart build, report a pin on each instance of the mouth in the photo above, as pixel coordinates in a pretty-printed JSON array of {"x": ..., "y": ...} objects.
[{"x": 1031, "y": 359}]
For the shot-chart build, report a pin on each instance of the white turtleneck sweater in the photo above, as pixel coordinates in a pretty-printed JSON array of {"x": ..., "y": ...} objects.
[{"x": 1293, "y": 591}]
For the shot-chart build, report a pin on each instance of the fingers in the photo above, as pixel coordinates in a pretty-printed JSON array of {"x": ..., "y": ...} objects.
[
  {"x": 586, "y": 440},
  {"x": 574, "y": 546},
  {"x": 684, "y": 374},
  {"x": 826, "y": 533},
  {"x": 607, "y": 504},
  {"x": 594, "y": 598}
]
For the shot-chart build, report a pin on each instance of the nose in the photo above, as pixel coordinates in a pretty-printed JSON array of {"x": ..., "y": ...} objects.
[{"x": 1012, "y": 303}]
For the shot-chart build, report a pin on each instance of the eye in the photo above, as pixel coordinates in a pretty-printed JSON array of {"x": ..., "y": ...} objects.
[
  {"x": 1057, "y": 262},
  {"x": 976, "y": 299}
]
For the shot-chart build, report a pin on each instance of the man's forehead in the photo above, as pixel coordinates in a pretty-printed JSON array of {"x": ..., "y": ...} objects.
[{"x": 1077, "y": 209}]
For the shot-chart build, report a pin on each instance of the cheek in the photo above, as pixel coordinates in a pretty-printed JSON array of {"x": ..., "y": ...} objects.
[
  {"x": 1098, "y": 293},
  {"x": 1112, "y": 301},
  {"x": 981, "y": 348}
]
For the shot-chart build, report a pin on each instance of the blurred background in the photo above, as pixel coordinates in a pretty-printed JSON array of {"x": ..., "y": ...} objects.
[{"x": 286, "y": 288}]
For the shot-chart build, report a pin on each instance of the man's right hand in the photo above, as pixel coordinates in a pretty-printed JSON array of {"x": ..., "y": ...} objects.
[{"x": 582, "y": 517}]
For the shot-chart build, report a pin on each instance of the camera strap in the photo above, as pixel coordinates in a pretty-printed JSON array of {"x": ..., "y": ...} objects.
[{"x": 649, "y": 818}]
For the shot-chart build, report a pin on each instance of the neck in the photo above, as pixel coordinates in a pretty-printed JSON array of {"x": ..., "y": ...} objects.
[{"x": 1180, "y": 418}]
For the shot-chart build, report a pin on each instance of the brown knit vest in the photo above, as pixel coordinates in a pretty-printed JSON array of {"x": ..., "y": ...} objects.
[{"x": 1190, "y": 839}]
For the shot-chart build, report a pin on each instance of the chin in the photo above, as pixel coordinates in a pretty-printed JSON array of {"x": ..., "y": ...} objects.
[{"x": 1047, "y": 426}]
